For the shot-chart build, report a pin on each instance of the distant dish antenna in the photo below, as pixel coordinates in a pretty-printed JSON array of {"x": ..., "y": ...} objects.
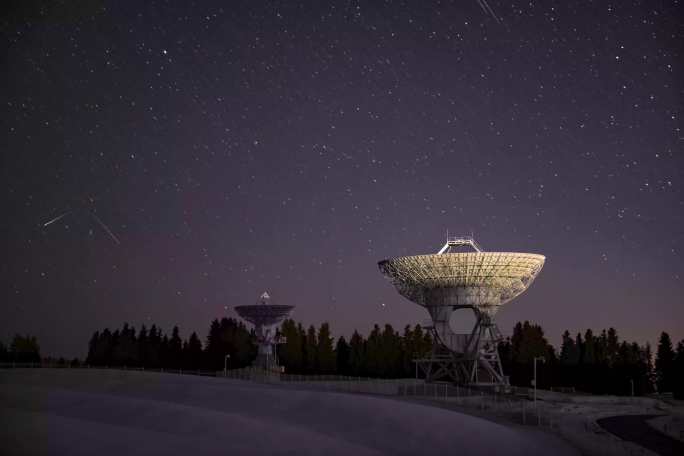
[
  {"x": 446, "y": 282},
  {"x": 264, "y": 316}
]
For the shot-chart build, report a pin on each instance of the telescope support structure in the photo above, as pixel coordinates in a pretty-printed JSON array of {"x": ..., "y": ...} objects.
[{"x": 473, "y": 359}]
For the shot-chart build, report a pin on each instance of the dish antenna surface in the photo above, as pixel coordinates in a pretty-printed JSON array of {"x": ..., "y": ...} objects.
[
  {"x": 264, "y": 315},
  {"x": 477, "y": 280}
]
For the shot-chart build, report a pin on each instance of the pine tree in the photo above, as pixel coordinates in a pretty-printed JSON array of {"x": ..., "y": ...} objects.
[
  {"x": 325, "y": 355},
  {"x": 291, "y": 352},
  {"x": 175, "y": 349},
  {"x": 390, "y": 351},
  {"x": 678, "y": 372},
  {"x": 357, "y": 355},
  {"x": 528, "y": 342},
  {"x": 215, "y": 352},
  {"x": 142, "y": 347},
  {"x": 92, "y": 348},
  {"x": 192, "y": 352},
  {"x": 342, "y": 354},
  {"x": 569, "y": 355},
  {"x": 125, "y": 351},
  {"x": 311, "y": 351},
  {"x": 612, "y": 345},
  {"x": 165, "y": 356},
  {"x": 373, "y": 358},
  {"x": 664, "y": 364},
  {"x": 589, "y": 354},
  {"x": 153, "y": 350}
]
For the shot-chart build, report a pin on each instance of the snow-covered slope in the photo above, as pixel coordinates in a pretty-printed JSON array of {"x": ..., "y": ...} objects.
[{"x": 107, "y": 412}]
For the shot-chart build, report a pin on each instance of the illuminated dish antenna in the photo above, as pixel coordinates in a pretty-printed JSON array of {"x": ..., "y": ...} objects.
[
  {"x": 446, "y": 282},
  {"x": 264, "y": 316}
]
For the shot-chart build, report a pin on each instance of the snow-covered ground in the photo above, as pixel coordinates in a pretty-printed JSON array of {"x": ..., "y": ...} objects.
[{"x": 103, "y": 412}]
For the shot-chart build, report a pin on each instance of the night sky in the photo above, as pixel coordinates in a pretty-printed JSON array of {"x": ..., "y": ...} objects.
[{"x": 237, "y": 147}]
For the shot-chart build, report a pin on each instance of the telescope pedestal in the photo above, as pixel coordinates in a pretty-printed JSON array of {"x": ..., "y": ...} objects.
[{"x": 464, "y": 358}]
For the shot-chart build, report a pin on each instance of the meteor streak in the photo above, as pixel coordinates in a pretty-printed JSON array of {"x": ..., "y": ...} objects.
[
  {"x": 106, "y": 228},
  {"x": 488, "y": 10},
  {"x": 59, "y": 217},
  {"x": 92, "y": 214}
]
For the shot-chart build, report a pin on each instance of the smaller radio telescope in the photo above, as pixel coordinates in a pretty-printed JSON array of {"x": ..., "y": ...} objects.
[
  {"x": 264, "y": 316},
  {"x": 446, "y": 282}
]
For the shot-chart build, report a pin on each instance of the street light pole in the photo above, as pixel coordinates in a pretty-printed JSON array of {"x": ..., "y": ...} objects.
[{"x": 225, "y": 365}]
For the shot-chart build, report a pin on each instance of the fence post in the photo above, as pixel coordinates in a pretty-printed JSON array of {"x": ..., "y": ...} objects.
[{"x": 523, "y": 413}]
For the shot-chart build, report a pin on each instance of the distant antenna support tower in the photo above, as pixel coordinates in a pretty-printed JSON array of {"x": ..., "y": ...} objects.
[
  {"x": 264, "y": 316},
  {"x": 446, "y": 282}
]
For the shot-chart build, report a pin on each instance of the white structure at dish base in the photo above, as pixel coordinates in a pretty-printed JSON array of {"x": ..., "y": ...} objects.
[
  {"x": 264, "y": 316},
  {"x": 446, "y": 282}
]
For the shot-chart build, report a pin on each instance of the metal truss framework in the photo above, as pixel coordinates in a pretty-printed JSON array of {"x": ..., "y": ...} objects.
[
  {"x": 478, "y": 363},
  {"x": 446, "y": 282}
]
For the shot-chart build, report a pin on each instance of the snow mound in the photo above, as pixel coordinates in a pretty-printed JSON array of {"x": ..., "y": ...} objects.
[{"x": 107, "y": 412}]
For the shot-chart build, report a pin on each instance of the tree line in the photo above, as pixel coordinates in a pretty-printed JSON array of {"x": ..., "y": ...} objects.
[
  {"x": 385, "y": 353},
  {"x": 22, "y": 349},
  {"x": 594, "y": 363},
  {"x": 597, "y": 363},
  {"x": 312, "y": 351},
  {"x": 153, "y": 348}
]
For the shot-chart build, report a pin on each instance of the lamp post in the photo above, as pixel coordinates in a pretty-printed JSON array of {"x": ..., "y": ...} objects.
[
  {"x": 534, "y": 382},
  {"x": 225, "y": 365}
]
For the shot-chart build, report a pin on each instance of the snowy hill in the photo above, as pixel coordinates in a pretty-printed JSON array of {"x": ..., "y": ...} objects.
[{"x": 108, "y": 412}]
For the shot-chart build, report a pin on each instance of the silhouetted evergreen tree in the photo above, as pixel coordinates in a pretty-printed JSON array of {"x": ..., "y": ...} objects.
[
  {"x": 125, "y": 351},
  {"x": 612, "y": 345},
  {"x": 678, "y": 372},
  {"x": 416, "y": 344},
  {"x": 93, "y": 346},
  {"x": 165, "y": 352},
  {"x": 232, "y": 338},
  {"x": 325, "y": 355},
  {"x": 357, "y": 355},
  {"x": 310, "y": 351},
  {"x": 153, "y": 350},
  {"x": 291, "y": 352},
  {"x": 215, "y": 351},
  {"x": 373, "y": 354},
  {"x": 342, "y": 356},
  {"x": 527, "y": 342},
  {"x": 192, "y": 353},
  {"x": 664, "y": 364},
  {"x": 142, "y": 347},
  {"x": 175, "y": 349}
]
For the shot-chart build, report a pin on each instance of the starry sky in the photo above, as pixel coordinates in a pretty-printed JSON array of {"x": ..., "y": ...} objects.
[{"x": 236, "y": 147}]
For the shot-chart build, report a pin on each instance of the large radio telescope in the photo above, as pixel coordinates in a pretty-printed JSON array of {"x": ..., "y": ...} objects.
[
  {"x": 446, "y": 282},
  {"x": 264, "y": 315}
]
